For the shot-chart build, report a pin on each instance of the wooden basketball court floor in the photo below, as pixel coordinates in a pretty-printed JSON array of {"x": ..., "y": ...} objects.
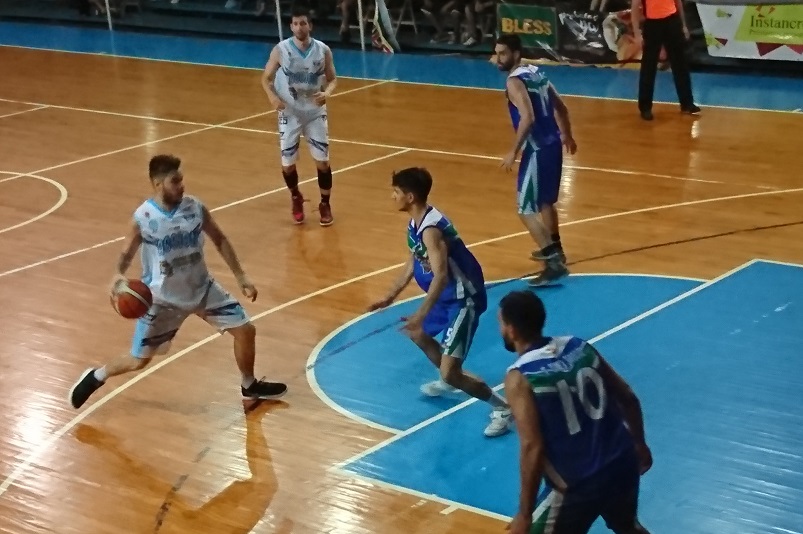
[{"x": 170, "y": 449}]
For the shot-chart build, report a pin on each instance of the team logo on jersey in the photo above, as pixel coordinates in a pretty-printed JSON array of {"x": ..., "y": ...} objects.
[
  {"x": 419, "y": 251},
  {"x": 153, "y": 224}
]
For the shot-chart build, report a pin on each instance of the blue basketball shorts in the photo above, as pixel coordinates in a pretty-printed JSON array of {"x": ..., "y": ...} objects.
[
  {"x": 457, "y": 321},
  {"x": 539, "y": 177}
]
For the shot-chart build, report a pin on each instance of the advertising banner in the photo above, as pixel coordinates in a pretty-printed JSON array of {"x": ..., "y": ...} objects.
[
  {"x": 569, "y": 34},
  {"x": 772, "y": 32}
]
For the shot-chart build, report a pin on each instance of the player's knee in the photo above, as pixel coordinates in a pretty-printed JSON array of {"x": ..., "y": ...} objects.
[
  {"x": 246, "y": 332},
  {"x": 287, "y": 170},
  {"x": 450, "y": 373}
]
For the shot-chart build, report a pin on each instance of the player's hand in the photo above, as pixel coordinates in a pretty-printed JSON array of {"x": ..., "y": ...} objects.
[
  {"x": 248, "y": 289},
  {"x": 520, "y": 525},
  {"x": 277, "y": 103},
  {"x": 117, "y": 283},
  {"x": 645, "y": 457},
  {"x": 508, "y": 161},
  {"x": 569, "y": 143},
  {"x": 380, "y": 304},
  {"x": 414, "y": 323},
  {"x": 319, "y": 98}
]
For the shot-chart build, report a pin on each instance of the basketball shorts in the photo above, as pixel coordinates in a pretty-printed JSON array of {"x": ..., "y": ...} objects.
[
  {"x": 314, "y": 128},
  {"x": 156, "y": 329},
  {"x": 457, "y": 321},
  {"x": 612, "y": 495},
  {"x": 539, "y": 177}
]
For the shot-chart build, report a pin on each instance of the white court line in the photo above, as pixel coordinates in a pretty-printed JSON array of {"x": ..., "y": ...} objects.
[
  {"x": 218, "y": 208},
  {"x": 15, "y": 113},
  {"x": 312, "y": 378},
  {"x": 191, "y": 132},
  {"x": 426, "y": 84},
  {"x": 341, "y": 466},
  {"x": 48, "y": 442},
  {"x": 392, "y": 147},
  {"x": 777, "y": 262},
  {"x": 62, "y": 198}
]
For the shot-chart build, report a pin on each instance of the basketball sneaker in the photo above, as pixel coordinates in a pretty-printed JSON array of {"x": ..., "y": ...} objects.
[
  {"x": 326, "y": 214},
  {"x": 261, "y": 389},
  {"x": 84, "y": 388},
  {"x": 436, "y": 388},
  {"x": 501, "y": 422},
  {"x": 554, "y": 271},
  {"x": 298, "y": 208}
]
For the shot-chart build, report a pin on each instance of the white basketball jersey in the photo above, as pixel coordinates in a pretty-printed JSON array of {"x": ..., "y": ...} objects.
[
  {"x": 173, "y": 264},
  {"x": 301, "y": 75}
]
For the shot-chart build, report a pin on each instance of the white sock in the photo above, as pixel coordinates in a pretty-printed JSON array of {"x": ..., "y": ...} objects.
[
  {"x": 248, "y": 381},
  {"x": 101, "y": 375}
]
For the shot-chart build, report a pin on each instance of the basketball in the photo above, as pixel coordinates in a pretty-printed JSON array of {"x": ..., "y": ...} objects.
[{"x": 132, "y": 300}]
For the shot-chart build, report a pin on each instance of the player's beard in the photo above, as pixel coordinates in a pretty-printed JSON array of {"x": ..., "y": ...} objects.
[
  {"x": 505, "y": 67},
  {"x": 172, "y": 199},
  {"x": 508, "y": 344}
]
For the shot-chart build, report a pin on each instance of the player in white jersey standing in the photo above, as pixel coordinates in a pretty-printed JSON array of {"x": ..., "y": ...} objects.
[
  {"x": 298, "y": 78},
  {"x": 170, "y": 227}
]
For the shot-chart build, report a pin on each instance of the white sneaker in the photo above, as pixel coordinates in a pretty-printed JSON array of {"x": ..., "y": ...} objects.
[
  {"x": 436, "y": 388},
  {"x": 500, "y": 424}
]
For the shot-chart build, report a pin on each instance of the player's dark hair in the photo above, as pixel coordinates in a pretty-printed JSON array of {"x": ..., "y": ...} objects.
[
  {"x": 162, "y": 165},
  {"x": 300, "y": 10},
  {"x": 415, "y": 180},
  {"x": 525, "y": 312},
  {"x": 510, "y": 40}
]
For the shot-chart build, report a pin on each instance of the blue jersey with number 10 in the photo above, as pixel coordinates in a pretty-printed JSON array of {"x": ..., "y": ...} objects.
[
  {"x": 583, "y": 428},
  {"x": 545, "y": 129}
]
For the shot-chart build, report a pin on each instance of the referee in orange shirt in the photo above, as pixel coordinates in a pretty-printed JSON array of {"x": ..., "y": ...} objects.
[{"x": 664, "y": 24}]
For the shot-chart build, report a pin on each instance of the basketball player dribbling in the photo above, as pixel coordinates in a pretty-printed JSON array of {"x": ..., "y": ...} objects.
[
  {"x": 293, "y": 82},
  {"x": 452, "y": 277},
  {"x": 535, "y": 110},
  {"x": 170, "y": 228}
]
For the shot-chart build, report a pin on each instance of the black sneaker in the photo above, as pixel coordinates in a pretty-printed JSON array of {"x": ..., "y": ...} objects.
[
  {"x": 553, "y": 273},
  {"x": 84, "y": 388},
  {"x": 264, "y": 390},
  {"x": 690, "y": 110}
]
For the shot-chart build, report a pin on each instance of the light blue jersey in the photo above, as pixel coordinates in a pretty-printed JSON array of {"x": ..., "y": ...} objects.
[
  {"x": 545, "y": 129},
  {"x": 583, "y": 428},
  {"x": 173, "y": 264},
  {"x": 300, "y": 76},
  {"x": 466, "y": 279}
]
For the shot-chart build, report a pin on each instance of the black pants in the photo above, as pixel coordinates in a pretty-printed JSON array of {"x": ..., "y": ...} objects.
[{"x": 667, "y": 32}]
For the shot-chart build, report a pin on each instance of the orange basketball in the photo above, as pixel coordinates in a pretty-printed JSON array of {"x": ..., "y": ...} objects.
[{"x": 132, "y": 300}]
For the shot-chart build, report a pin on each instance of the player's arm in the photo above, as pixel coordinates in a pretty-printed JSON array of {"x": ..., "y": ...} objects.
[
  {"x": 398, "y": 286},
  {"x": 562, "y": 117},
  {"x": 621, "y": 392},
  {"x": 438, "y": 256},
  {"x": 403, "y": 280},
  {"x": 519, "y": 98},
  {"x": 132, "y": 242},
  {"x": 329, "y": 73},
  {"x": 226, "y": 250},
  {"x": 531, "y": 442},
  {"x": 269, "y": 77}
]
